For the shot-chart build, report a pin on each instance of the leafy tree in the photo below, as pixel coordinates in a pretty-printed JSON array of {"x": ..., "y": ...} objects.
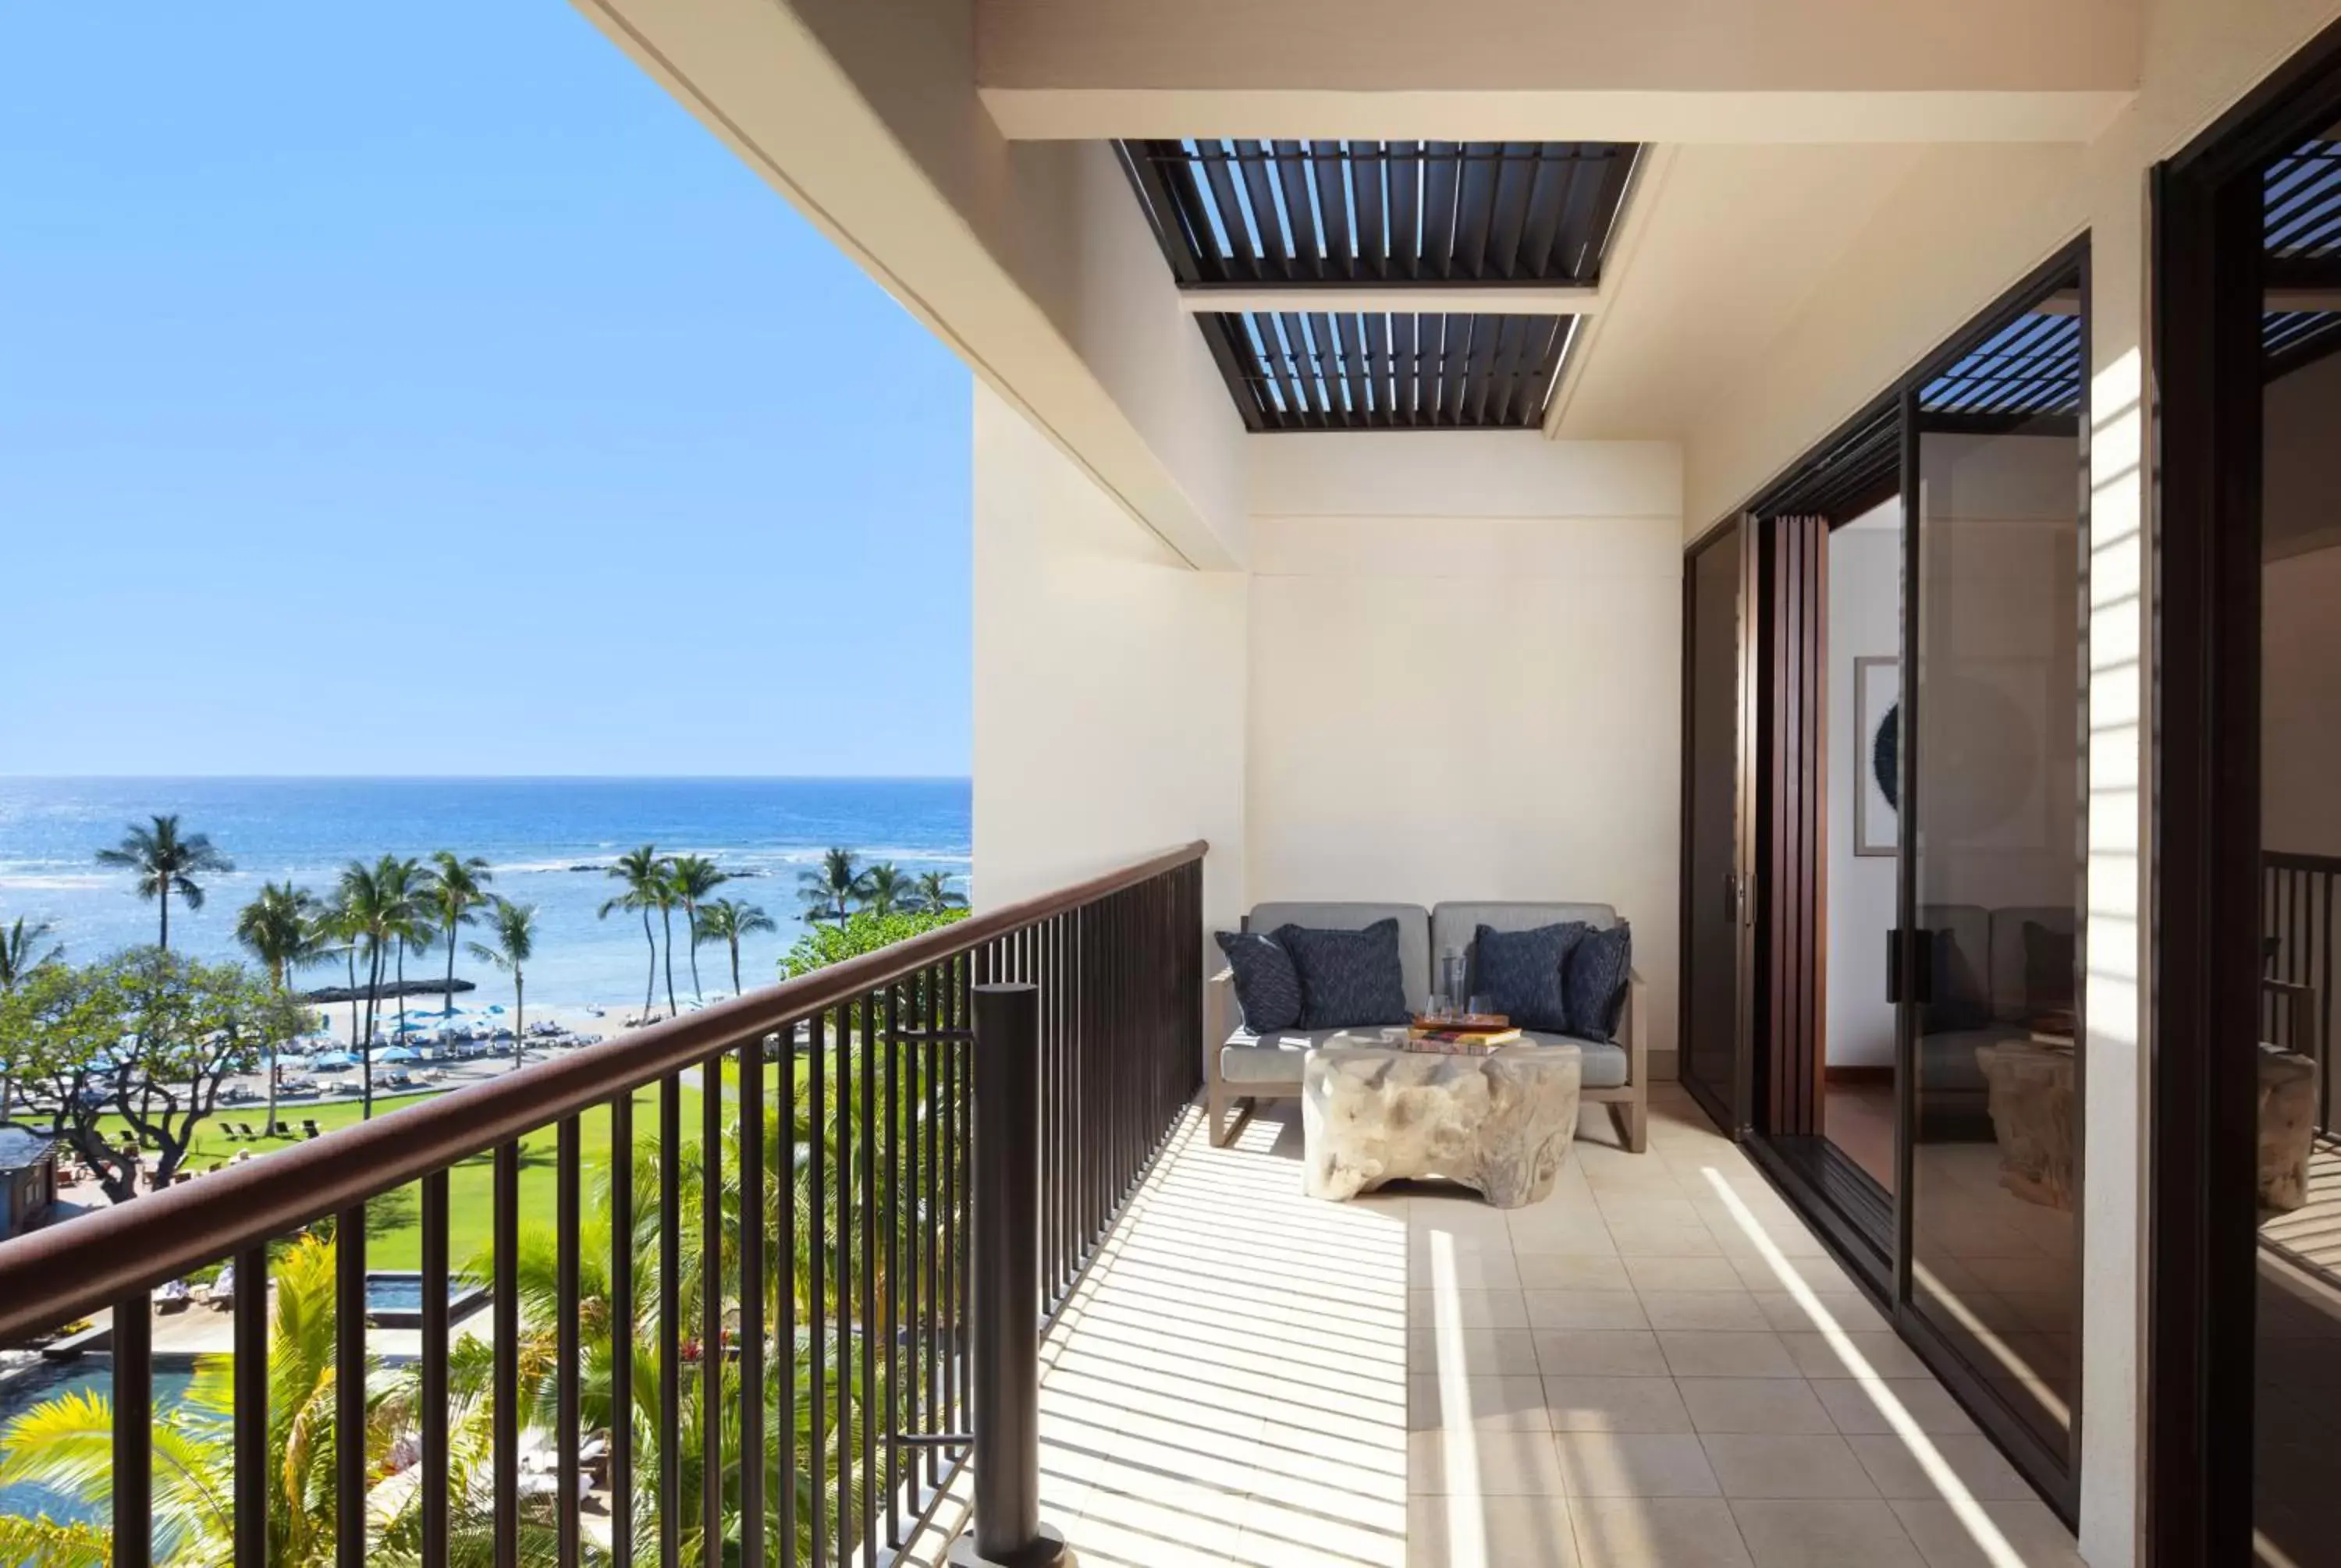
[
  {"x": 146, "y": 1035},
  {"x": 454, "y": 889},
  {"x": 166, "y": 864},
  {"x": 643, "y": 872},
  {"x": 726, "y": 920},
  {"x": 691, "y": 879},
  {"x": 278, "y": 928},
  {"x": 932, "y": 893},
  {"x": 864, "y": 932},
  {"x": 885, "y": 888},
  {"x": 832, "y": 888},
  {"x": 513, "y": 927},
  {"x": 20, "y": 955}
]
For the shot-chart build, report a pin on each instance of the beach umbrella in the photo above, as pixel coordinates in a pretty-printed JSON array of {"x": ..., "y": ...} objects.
[
  {"x": 334, "y": 1060},
  {"x": 398, "y": 1054}
]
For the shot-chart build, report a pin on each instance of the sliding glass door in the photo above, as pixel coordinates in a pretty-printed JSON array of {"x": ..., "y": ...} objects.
[{"x": 1715, "y": 907}]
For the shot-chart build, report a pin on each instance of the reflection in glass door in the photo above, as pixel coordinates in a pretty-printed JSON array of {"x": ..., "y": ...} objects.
[
  {"x": 1714, "y": 914},
  {"x": 1993, "y": 846}
]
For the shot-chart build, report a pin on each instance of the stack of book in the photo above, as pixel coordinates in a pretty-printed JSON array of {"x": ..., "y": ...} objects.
[{"x": 1472, "y": 1035}]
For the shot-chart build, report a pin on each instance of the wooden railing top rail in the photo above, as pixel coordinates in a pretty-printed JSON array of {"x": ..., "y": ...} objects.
[
  {"x": 69, "y": 1270},
  {"x": 2294, "y": 860}
]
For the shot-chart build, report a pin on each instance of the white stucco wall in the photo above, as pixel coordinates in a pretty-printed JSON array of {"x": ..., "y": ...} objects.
[
  {"x": 1865, "y": 620},
  {"x": 1108, "y": 681},
  {"x": 1465, "y": 677}
]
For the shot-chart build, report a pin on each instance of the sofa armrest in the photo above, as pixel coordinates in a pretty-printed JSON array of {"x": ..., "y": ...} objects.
[
  {"x": 1218, "y": 1018},
  {"x": 1637, "y": 1007}
]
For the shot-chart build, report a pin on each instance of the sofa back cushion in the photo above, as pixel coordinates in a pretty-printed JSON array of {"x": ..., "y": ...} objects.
[
  {"x": 1963, "y": 980},
  {"x": 1519, "y": 972},
  {"x": 1453, "y": 924},
  {"x": 2025, "y": 977},
  {"x": 1413, "y": 932},
  {"x": 1348, "y": 979}
]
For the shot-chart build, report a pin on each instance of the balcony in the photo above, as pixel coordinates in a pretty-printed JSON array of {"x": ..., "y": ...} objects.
[{"x": 1656, "y": 1365}]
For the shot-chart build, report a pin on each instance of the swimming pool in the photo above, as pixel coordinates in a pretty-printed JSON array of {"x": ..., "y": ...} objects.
[
  {"x": 394, "y": 1299},
  {"x": 93, "y": 1374}
]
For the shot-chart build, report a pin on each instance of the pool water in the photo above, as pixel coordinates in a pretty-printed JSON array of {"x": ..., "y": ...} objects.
[
  {"x": 20, "y": 1392},
  {"x": 394, "y": 1299}
]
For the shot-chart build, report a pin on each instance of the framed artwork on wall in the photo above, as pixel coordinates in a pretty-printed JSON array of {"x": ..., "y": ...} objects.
[{"x": 1877, "y": 754}]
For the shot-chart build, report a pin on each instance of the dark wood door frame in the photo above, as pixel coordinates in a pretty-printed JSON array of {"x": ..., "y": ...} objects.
[{"x": 2203, "y": 1120}]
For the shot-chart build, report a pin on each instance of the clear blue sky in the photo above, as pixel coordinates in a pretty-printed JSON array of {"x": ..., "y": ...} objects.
[{"x": 418, "y": 389}]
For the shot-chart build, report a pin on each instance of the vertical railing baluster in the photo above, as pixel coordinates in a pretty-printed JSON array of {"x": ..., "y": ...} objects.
[
  {"x": 134, "y": 1431},
  {"x": 848, "y": 1199},
  {"x": 711, "y": 1353},
  {"x": 504, "y": 1422},
  {"x": 817, "y": 1299},
  {"x": 929, "y": 1367},
  {"x": 795, "y": 1457},
  {"x": 866, "y": 1317},
  {"x": 890, "y": 1320},
  {"x": 349, "y": 1386},
  {"x": 946, "y": 1201},
  {"x": 431, "y": 1478},
  {"x": 670, "y": 1334},
  {"x": 567, "y": 1349},
  {"x": 622, "y": 1330},
  {"x": 252, "y": 1407},
  {"x": 753, "y": 1459}
]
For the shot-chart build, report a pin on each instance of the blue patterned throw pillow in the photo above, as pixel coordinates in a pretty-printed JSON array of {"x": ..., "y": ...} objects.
[
  {"x": 1348, "y": 978},
  {"x": 1267, "y": 987},
  {"x": 1519, "y": 972},
  {"x": 1594, "y": 981}
]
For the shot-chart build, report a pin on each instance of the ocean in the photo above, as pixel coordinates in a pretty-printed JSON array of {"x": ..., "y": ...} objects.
[{"x": 535, "y": 833}]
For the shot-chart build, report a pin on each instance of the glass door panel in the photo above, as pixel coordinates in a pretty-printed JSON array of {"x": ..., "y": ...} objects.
[
  {"x": 1993, "y": 844},
  {"x": 1712, "y": 1010}
]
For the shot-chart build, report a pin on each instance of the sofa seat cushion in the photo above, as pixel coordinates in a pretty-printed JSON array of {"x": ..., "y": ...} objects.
[{"x": 1277, "y": 1057}]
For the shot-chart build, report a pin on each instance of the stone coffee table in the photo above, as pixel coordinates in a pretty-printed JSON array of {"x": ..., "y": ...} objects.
[{"x": 1501, "y": 1123}]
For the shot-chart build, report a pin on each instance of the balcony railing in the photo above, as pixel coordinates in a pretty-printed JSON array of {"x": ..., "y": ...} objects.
[
  {"x": 771, "y": 1326},
  {"x": 2297, "y": 908}
]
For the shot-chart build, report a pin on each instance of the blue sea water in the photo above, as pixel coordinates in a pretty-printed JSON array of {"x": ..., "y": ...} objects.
[{"x": 533, "y": 832}]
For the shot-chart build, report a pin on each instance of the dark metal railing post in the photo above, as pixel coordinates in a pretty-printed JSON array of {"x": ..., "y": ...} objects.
[{"x": 1005, "y": 1349}]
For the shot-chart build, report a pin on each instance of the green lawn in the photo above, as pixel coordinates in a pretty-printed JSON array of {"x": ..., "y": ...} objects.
[{"x": 394, "y": 1223}]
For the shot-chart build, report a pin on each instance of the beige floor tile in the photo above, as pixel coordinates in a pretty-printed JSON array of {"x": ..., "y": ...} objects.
[
  {"x": 1469, "y": 1269},
  {"x": 1465, "y": 1309},
  {"x": 1710, "y": 1309},
  {"x": 1691, "y": 1239},
  {"x": 1566, "y": 1231},
  {"x": 1633, "y": 1465},
  {"x": 1853, "y": 1314},
  {"x": 1976, "y": 1464},
  {"x": 1602, "y": 1270},
  {"x": 1587, "y": 1404},
  {"x": 1779, "y": 1465},
  {"x": 1625, "y": 1206},
  {"x": 1585, "y": 1309},
  {"x": 1880, "y": 1355},
  {"x": 1321, "y": 1531},
  {"x": 1501, "y": 1402},
  {"x": 1487, "y": 1351},
  {"x": 1760, "y": 1404},
  {"x": 1820, "y": 1274},
  {"x": 1483, "y": 1459},
  {"x": 1858, "y": 1409},
  {"x": 1515, "y": 1532},
  {"x": 1599, "y": 1353},
  {"x": 1810, "y": 1533},
  {"x": 1707, "y": 1353},
  {"x": 1684, "y": 1274},
  {"x": 1946, "y": 1540},
  {"x": 1657, "y": 1533}
]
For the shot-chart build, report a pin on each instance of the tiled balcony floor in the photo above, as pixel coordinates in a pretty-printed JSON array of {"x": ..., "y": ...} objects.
[{"x": 1657, "y": 1366}]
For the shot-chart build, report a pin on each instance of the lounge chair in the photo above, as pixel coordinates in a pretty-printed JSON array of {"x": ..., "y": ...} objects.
[{"x": 310, "y": 1129}]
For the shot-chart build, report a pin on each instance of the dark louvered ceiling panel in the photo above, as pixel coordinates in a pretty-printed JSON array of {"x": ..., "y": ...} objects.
[
  {"x": 2030, "y": 366},
  {"x": 1315, "y": 369},
  {"x": 2300, "y": 230},
  {"x": 1253, "y": 213}
]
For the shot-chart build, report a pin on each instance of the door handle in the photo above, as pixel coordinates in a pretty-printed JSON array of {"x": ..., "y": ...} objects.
[{"x": 1912, "y": 982}]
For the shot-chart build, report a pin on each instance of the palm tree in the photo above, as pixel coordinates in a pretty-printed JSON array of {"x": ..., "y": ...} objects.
[
  {"x": 830, "y": 888},
  {"x": 932, "y": 893},
  {"x": 885, "y": 888},
  {"x": 166, "y": 865},
  {"x": 337, "y": 934},
  {"x": 18, "y": 962},
  {"x": 279, "y": 928},
  {"x": 382, "y": 911},
  {"x": 513, "y": 927},
  {"x": 452, "y": 890},
  {"x": 66, "y": 1445},
  {"x": 643, "y": 871},
  {"x": 692, "y": 878},
  {"x": 726, "y": 920}
]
